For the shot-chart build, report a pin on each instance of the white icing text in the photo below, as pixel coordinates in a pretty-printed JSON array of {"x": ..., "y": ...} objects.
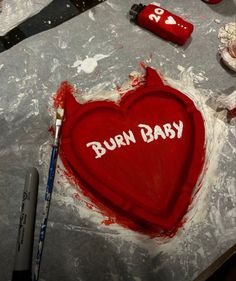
[{"x": 148, "y": 134}]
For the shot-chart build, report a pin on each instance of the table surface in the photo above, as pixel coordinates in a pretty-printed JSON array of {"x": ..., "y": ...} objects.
[
  {"x": 57, "y": 12},
  {"x": 77, "y": 246}
]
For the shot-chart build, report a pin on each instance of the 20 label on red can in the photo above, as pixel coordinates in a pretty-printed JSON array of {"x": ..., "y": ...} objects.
[{"x": 165, "y": 24}]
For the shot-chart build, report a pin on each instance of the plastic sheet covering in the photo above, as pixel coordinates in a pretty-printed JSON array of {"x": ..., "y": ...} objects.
[
  {"x": 95, "y": 52},
  {"x": 14, "y": 12}
]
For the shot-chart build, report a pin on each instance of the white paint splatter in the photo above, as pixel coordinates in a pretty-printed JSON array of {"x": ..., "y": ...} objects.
[
  {"x": 113, "y": 6},
  {"x": 63, "y": 45},
  {"x": 210, "y": 30},
  {"x": 88, "y": 65},
  {"x": 98, "y": 57},
  {"x": 196, "y": 77},
  {"x": 91, "y": 15},
  {"x": 89, "y": 41},
  {"x": 91, "y": 38},
  {"x": 180, "y": 68},
  {"x": 55, "y": 64}
]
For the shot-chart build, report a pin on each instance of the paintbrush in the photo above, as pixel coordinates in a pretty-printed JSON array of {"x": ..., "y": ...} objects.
[{"x": 48, "y": 194}]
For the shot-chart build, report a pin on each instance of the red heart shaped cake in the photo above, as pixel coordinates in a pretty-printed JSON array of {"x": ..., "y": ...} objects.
[{"x": 142, "y": 157}]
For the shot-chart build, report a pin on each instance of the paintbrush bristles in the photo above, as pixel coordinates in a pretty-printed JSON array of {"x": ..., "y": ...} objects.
[
  {"x": 59, "y": 116},
  {"x": 60, "y": 113},
  {"x": 59, "y": 119}
]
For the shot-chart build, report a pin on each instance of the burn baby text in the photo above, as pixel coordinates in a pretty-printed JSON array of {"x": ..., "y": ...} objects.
[{"x": 148, "y": 134}]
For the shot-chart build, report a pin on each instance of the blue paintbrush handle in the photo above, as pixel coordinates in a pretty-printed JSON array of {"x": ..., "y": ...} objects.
[{"x": 48, "y": 195}]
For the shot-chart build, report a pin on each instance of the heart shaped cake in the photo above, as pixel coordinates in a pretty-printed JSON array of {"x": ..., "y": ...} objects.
[{"x": 142, "y": 157}]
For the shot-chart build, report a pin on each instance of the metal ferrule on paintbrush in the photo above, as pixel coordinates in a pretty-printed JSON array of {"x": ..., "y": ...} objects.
[{"x": 59, "y": 117}]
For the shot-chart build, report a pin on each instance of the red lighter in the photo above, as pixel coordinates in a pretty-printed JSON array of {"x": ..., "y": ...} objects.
[{"x": 161, "y": 22}]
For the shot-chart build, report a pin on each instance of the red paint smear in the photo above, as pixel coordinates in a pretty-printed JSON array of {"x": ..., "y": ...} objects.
[
  {"x": 108, "y": 221},
  {"x": 77, "y": 196},
  {"x": 142, "y": 64},
  {"x": 135, "y": 81},
  {"x": 89, "y": 205},
  {"x": 51, "y": 130},
  {"x": 201, "y": 17},
  {"x": 114, "y": 214},
  {"x": 59, "y": 97}
]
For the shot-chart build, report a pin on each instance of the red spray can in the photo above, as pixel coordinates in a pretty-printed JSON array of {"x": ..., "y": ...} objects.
[{"x": 161, "y": 22}]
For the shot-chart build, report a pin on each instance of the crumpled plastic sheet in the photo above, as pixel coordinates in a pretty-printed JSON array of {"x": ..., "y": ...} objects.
[{"x": 15, "y": 12}]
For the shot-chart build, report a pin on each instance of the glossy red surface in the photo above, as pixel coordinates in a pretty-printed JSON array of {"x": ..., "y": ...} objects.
[
  {"x": 133, "y": 157},
  {"x": 165, "y": 24}
]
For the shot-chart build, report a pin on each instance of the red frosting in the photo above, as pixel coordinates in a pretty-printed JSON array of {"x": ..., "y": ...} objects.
[
  {"x": 140, "y": 159},
  {"x": 165, "y": 24}
]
